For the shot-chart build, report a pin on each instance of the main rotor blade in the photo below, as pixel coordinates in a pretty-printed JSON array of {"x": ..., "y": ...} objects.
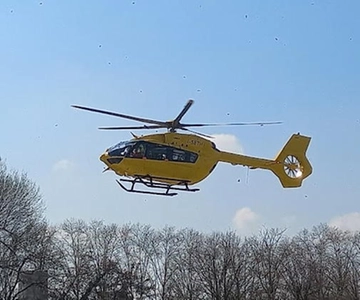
[
  {"x": 133, "y": 127},
  {"x": 199, "y": 133},
  {"x": 120, "y": 115},
  {"x": 230, "y": 124},
  {"x": 183, "y": 112}
]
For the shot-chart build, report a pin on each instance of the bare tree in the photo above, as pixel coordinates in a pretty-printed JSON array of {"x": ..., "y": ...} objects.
[
  {"x": 131, "y": 280},
  {"x": 186, "y": 282},
  {"x": 340, "y": 255},
  {"x": 105, "y": 273},
  {"x": 244, "y": 270},
  {"x": 100, "y": 261},
  {"x": 269, "y": 251},
  {"x": 318, "y": 266},
  {"x": 74, "y": 271},
  {"x": 139, "y": 259},
  {"x": 318, "y": 244},
  {"x": 218, "y": 263},
  {"x": 354, "y": 258},
  {"x": 300, "y": 267},
  {"x": 24, "y": 234},
  {"x": 163, "y": 250},
  {"x": 91, "y": 261}
]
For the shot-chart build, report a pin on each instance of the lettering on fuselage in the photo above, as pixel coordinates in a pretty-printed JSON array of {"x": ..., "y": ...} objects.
[{"x": 195, "y": 142}]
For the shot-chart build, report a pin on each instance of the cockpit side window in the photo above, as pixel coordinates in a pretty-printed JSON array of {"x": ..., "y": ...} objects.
[
  {"x": 138, "y": 151},
  {"x": 120, "y": 149}
]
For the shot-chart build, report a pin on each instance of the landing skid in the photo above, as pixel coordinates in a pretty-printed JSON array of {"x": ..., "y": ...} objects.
[{"x": 148, "y": 181}]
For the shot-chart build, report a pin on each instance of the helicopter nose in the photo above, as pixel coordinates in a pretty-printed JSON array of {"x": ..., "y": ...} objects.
[
  {"x": 104, "y": 157},
  {"x": 110, "y": 159}
]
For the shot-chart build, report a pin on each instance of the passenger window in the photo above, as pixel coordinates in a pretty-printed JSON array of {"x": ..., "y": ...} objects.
[
  {"x": 157, "y": 152},
  {"x": 160, "y": 152},
  {"x": 193, "y": 157},
  {"x": 178, "y": 155}
]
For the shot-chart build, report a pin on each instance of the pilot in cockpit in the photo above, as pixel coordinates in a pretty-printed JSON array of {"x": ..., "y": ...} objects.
[{"x": 138, "y": 151}]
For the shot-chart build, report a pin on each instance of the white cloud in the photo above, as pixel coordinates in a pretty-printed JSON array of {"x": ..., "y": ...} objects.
[
  {"x": 245, "y": 220},
  {"x": 349, "y": 222},
  {"x": 62, "y": 165},
  {"x": 227, "y": 142}
]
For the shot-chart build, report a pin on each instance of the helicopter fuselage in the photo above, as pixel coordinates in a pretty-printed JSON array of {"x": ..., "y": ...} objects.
[
  {"x": 168, "y": 157},
  {"x": 175, "y": 158}
]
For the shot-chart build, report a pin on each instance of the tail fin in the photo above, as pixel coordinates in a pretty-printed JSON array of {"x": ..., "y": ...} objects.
[{"x": 291, "y": 164}]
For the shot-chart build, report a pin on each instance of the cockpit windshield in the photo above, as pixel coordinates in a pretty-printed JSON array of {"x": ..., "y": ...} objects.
[{"x": 120, "y": 149}]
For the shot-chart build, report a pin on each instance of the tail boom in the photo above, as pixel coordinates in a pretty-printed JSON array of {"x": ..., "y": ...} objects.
[
  {"x": 246, "y": 161},
  {"x": 291, "y": 165}
]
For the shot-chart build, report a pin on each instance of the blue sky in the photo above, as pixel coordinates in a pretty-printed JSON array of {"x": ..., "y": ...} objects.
[{"x": 293, "y": 61}]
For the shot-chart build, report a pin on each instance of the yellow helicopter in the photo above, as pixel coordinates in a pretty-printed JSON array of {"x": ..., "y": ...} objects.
[{"x": 171, "y": 161}]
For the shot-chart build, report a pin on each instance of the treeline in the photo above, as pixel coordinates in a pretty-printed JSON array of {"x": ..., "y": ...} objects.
[{"x": 95, "y": 260}]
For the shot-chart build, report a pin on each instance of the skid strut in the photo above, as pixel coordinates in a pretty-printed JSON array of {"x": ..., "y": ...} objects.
[{"x": 148, "y": 181}]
